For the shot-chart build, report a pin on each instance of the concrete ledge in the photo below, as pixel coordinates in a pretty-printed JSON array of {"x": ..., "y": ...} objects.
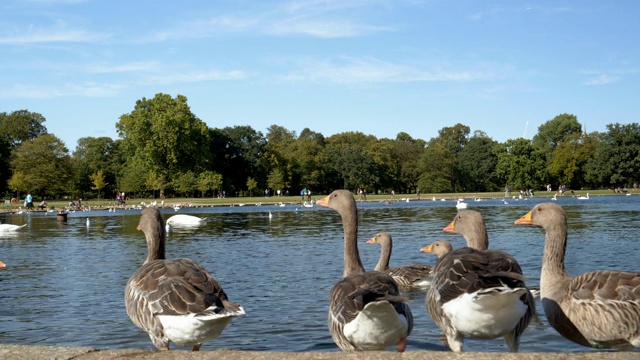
[{"x": 11, "y": 352}]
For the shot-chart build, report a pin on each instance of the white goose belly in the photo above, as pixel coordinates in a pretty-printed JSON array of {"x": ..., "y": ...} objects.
[
  {"x": 377, "y": 326},
  {"x": 190, "y": 330},
  {"x": 486, "y": 314}
]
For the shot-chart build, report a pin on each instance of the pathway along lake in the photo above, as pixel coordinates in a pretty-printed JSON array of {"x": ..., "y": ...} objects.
[{"x": 64, "y": 282}]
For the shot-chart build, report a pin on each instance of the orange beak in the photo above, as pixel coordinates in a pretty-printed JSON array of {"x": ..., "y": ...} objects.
[
  {"x": 324, "y": 201},
  {"x": 525, "y": 219},
  {"x": 427, "y": 249},
  {"x": 371, "y": 241},
  {"x": 451, "y": 228}
]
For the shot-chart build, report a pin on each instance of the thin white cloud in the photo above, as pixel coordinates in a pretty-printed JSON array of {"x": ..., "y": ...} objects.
[
  {"x": 323, "y": 29},
  {"x": 196, "y": 76},
  {"x": 54, "y": 34},
  {"x": 141, "y": 66},
  {"x": 39, "y": 91},
  {"x": 206, "y": 28},
  {"x": 602, "y": 80},
  {"x": 368, "y": 70}
]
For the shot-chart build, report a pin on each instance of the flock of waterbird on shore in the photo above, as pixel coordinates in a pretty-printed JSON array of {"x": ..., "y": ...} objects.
[{"x": 473, "y": 292}]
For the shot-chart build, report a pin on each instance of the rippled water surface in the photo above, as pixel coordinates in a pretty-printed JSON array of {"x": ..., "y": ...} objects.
[{"x": 64, "y": 282}]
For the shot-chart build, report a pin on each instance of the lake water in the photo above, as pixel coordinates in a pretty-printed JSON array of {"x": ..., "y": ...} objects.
[{"x": 64, "y": 282}]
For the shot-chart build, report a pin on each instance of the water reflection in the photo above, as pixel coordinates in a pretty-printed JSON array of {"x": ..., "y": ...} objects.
[{"x": 64, "y": 282}]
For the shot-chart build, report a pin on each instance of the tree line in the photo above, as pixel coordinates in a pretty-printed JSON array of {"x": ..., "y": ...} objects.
[{"x": 165, "y": 150}]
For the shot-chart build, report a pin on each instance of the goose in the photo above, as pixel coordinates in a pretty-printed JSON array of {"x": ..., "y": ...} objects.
[
  {"x": 366, "y": 311},
  {"x": 478, "y": 293},
  {"x": 584, "y": 197},
  {"x": 438, "y": 248},
  {"x": 185, "y": 220},
  {"x": 598, "y": 309},
  {"x": 408, "y": 277},
  {"x": 175, "y": 300},
  {"x": 11, "y": 227}
]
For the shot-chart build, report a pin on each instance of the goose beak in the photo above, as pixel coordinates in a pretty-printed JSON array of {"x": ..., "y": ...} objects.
[
  {"x": 324, "y": 201},
  {"x": 371, "y": 241},
  {"x": 138, "y": 228},
  {"x": 427, "y": 249},
  {"x": 451, "y": 228},
  {"x": 524, "y": 220}
]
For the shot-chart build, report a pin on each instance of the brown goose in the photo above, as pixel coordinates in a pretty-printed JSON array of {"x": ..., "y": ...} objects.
[
  {"x": 439, "y": 248},
  {"x": 175, "y": 300},
  {"x": 408, "y": 277},
  {"x": 479, "y": 293},
  {"x": 595, "y": 309},
  {"x": 470, "y": 225},
  {"x": 366, "y": 311}
]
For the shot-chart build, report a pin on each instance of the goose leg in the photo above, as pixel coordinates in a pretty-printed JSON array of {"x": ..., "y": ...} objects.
[
  {"x": 402, "y": 345},
  {"x": 196, "y": 347}
]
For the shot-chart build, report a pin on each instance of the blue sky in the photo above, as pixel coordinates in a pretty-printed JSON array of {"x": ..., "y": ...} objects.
[{"x": 375, "y": 66}]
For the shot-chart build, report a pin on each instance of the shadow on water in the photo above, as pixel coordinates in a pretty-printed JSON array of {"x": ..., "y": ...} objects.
[{"x": 64, "y": 282}]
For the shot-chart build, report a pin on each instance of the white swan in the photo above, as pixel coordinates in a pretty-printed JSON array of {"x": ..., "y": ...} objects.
[
  {"x": 461, "y": 204},
  {"x": 11, "y": 227},
  {"x": 584, "y": 197},
  {"x": 184, "y": 219}
]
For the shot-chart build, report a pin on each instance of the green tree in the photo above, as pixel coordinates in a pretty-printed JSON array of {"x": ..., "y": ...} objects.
[
  {"x": 477, "y": 164},
  {"x": 165, "y": 136},
  {"x": 554, "y": 131},
  {"x": 16, "y": 128},
  {"x": 437, "y": 166},
  {"x": 45, "y": 165},
  {"x": 155, "y": 182},
  {"x": 185, "y": 183},
  {"x": 99, "y": 182},
  {"x": 252, "y": 185},
  {"x": 276, "y": 180},
  {"x": 209, "y": 180},
  {"x": 569, "y": 159},
  {"x": 238, "y": 153},
  {"x": 350, "y": 161},
  {"x": 93, "y": 154},
  {"x": 20, "y": 126},
  {"x": 309, "y": 168},
  {"x": 18, "y": 183},
  {"x": 520, "y": 165},
  {"x": 617, "y": 158}
]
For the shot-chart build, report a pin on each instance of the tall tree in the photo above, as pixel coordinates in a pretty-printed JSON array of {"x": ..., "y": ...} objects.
[
  {"x": 165, "y": 136},
  {"x": 238, "y": 153},
  {"x": 520, "y": 165},
  {"x": 617, "y": 159},
  {"x": 553, "y": 132},
  {"x": 310, "y": 161},
  {"x": 437, "y": 166},
  {"x": 477, "y": 164},
  {"x": 45, "y": 164},
  {"x": 20, "y": 126},
  {"x": 16, "y": 128},
  {"x": 93, "y": 154}
]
